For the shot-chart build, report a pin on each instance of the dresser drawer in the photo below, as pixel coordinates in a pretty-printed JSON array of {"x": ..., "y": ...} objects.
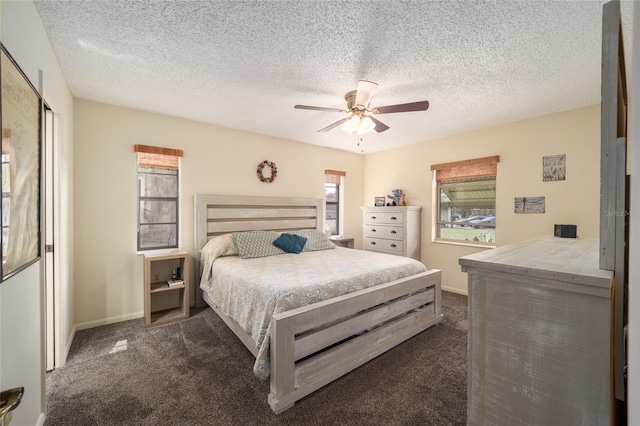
[
  {"x": 381, "y": 244},
  {"x": 384, "y": 231},
  {"x": 384, "y": 217}
]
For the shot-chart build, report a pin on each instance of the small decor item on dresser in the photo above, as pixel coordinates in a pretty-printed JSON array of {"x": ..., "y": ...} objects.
[
  {"x": 398, "y": 198},
  {"x": 565, "y": 231},
  {"x": 378, "y": 201},
  {"x": 175, "y": 273},
  {"x": 274, "y": 171},
  {"x": 175, "y": 281}
]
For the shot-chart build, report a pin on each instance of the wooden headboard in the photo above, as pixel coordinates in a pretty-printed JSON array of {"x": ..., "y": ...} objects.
[{"x": 221, "y": 214}]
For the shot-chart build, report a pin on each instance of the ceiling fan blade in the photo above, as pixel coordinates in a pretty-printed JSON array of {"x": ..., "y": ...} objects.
[
  {"x": 365, "y": 92},
  {"x": 412, "y": 106},
  {"x": 380, "y": 126},
  {"x": 315, "y": 108},
  {"x": 334, "y": 125}
]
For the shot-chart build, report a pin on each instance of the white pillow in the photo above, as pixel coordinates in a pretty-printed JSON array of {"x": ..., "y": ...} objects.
[{"x": 316, "y": 240}]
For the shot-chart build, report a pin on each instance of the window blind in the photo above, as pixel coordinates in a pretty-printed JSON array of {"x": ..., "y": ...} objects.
[
  {"x": 333, "y": 176},
  {"x": 467, "y": 169},
  {"x": 153, "y": 156}
]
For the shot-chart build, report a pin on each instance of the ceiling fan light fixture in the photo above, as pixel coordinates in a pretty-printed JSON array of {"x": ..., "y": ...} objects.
[
  {"x": 366, "y": 125},
  {"x": 358, "y": 125},
  {"x": 352, "y": 125}
]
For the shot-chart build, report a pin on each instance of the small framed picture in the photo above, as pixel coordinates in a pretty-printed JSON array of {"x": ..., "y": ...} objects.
[
  {"x": 554, "y": 167},
  {"x": 529, "y": 205},
  {"x": 378, "y": 201}
]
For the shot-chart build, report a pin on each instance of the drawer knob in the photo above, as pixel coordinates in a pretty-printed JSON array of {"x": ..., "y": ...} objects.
[
  {"x": 373, "y": 243},
  {"x": 373, "y": 217},
  {"x": 393, "y": 218},
  {"x": 393, "y": 245},
  {"x": 373, "y": 230},
  {"x": 393, "y": 232}
]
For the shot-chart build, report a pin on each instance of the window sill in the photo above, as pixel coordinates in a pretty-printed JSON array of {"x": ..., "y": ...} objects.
[
  {"x": 160, "y": 251},
  {"x": 463, "y": 243}
]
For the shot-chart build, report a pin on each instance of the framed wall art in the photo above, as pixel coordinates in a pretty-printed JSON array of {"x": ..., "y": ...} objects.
[
  {"x": 529, "y": 204},
  {"x": 554, "y": 167},
  {"x": 20, "y": 120}
]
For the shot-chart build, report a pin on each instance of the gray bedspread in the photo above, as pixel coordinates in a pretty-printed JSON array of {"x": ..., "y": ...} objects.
[{"x": 251, "y": 290}]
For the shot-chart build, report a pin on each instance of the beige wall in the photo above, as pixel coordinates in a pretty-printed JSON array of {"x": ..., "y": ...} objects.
[
  {"x": 521, "y": 146},
  {"x": 216, "y": 160},
  {"x": 223, "y": 161}
]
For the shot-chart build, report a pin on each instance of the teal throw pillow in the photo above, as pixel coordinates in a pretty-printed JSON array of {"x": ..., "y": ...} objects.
[{"x": 290, "y": 243}]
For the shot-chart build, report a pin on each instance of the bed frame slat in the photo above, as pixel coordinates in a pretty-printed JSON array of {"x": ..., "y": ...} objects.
[
  {"x": 307, "y": 318},
  {"x": 315, "y": 341},
  {"x": 263, "y": 225},
  {"x": 251, "y": 212},
  {"x": 374, "y": 343}
]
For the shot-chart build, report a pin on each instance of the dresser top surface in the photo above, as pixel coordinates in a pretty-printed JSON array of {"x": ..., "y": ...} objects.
[
  {"x": 570, "y": 259},
  {"x": 390, "y": 208}
]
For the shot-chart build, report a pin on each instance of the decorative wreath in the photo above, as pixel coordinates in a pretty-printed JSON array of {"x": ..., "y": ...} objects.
[{"x": 274, "y": 171}]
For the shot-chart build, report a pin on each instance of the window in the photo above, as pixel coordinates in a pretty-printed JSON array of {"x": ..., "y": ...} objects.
[
  {"x": 158, "y": 197},
  {"x": 333, "y": 197},
  {"x": 465, "y": 200}
]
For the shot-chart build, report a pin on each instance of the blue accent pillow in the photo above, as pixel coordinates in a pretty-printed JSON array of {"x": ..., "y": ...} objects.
[{"x": 290, "y": 243}]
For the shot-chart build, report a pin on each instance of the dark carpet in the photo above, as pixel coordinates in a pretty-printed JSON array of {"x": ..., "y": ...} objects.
[{"x": 197, "y": 372}]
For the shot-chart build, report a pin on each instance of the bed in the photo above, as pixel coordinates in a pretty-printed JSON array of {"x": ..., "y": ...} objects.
[{"x": 323, "y": 319}]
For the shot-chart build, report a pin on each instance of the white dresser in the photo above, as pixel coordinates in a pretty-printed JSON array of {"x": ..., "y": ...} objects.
[
  {"x": 540, "y": 342},
  {"x": 392, "y": 230}
]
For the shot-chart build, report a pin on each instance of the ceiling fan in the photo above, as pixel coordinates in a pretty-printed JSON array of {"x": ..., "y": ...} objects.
[{"x": 358, "y": 121}]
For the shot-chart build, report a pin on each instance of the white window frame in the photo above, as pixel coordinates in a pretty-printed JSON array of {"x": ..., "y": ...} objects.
[
  {"x": 341, "y": 200},
  {"x": 176, "y": 154},
  {"x": 451, "y": 168}
]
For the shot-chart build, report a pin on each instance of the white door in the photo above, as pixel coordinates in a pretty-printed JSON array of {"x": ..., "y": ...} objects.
[
  {"x": 22, "y": 345},
  {"x": 51, "y": 296}
]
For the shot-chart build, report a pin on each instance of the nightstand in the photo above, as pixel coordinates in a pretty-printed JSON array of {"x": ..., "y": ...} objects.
[
  {"x": 164, "y": 303},
  {"x": 343, "y": 242}
]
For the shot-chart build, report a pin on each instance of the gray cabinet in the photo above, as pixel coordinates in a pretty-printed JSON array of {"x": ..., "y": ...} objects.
[
  {"x": 392, "y": 230},
  {"x": 540, "y": 342}
]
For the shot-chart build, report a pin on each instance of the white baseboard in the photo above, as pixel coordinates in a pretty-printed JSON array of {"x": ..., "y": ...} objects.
[
  {"x": 41, "y": 419},
  {"x": 455, "y": 290},
  {"x": 106, "y": 321}
]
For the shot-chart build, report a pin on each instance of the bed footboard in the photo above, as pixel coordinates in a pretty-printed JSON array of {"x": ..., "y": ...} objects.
[{"x": 313, "y": 345}]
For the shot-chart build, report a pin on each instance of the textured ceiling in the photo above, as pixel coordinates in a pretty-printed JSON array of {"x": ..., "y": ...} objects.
[{"x": 245, "y": 64}]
